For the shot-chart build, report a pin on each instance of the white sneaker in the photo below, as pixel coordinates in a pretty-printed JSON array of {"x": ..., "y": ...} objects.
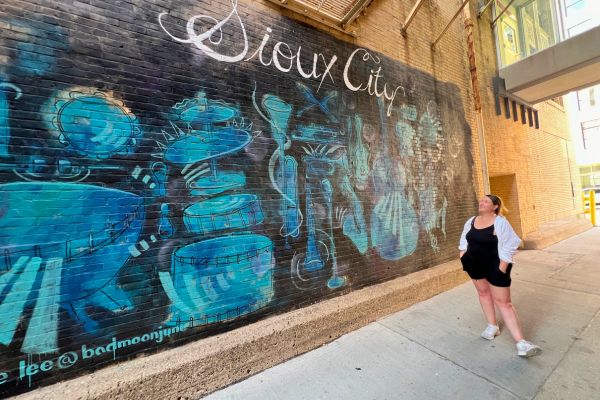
[
  {"x": 491, "y": 331},
  {"x": 527, "y": 349}
]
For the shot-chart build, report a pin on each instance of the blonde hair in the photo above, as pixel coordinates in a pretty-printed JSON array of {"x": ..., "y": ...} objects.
[{"x": 497, "y": 201}]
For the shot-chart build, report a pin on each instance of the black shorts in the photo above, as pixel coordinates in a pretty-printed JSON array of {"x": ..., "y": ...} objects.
[{"x": 486, "y": 269}]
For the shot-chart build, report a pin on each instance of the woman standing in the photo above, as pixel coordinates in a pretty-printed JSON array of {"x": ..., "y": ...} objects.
[{"x": 487, "y": 245}]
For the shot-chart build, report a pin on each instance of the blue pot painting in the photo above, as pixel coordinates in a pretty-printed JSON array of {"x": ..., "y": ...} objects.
[{"x": 56, "y": 256}]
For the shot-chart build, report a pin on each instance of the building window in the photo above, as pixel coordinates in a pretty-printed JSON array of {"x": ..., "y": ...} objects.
[
  {"x": 586, "y": 98},
  {"x": 590, "y": 133},
  {"x": 574, "y": 5},
  {"x": 580, "y": 27},
  {"x": 526, "y": 27}
]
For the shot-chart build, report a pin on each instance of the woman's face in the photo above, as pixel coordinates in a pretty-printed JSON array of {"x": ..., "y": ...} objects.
[{"x": 486, "y": 205}]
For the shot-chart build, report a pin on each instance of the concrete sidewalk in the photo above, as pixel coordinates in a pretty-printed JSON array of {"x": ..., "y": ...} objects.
[{"x": 432, "y": 350}]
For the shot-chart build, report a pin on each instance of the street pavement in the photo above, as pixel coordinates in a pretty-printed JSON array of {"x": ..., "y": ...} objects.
[{"x": 433, "y": 350}]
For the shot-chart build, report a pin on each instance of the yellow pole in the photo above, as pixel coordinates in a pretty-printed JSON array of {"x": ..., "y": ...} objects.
[{"x": 593, "y": 207}]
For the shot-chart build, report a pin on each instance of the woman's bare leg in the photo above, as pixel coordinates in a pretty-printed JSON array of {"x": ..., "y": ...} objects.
[
  {"x": 486, "y": 300},
  {"x": 501, "y": 296}
]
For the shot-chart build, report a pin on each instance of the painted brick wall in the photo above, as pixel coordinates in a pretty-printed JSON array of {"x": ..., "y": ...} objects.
[{"x": 158, "y": 184}]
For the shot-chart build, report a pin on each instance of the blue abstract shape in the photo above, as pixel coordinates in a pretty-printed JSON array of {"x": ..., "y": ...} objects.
[
  {"x": 313, "y": 260},
  {"x": 8, "y": 278},
  {"x": 31, "y": 61},
  {"x": 220, "y": 279},
  {"x": 335, "y": 281},
  {"x": 394, "y": 226},
  {"x": 215, "y": 144},
  {"x": 37, "y": 43},
  {"x": 234, "y": 211},
  {"x": 4, "y": 114},
  {"x": 159, "y": 174},
  {"x": 200, "y": 113},
  {"x": 222, "y": 182},
  {"x": 279, "y": 115},
  {"x": 359, "y": 153},
  {"x": 408, "y": 112},
  {"x": 318, "y": 165},
  {"x": 44, "y": 220},
  {"x": 289, "y": 205},
  {"x": 165, "y": 227},
  {"x": 14, "y": 303},
  {"x": 405, "y": 134},
  {"x": 394, "y": 222},
  {"x": 353, "y": 223},
  {"x": 313, "y": 101},
  {"x": 42, "y": 332},
  {"x": 92, "y": 123},
  {"x": 430, "y": 125},
  {"x": 317, "y": 134}
]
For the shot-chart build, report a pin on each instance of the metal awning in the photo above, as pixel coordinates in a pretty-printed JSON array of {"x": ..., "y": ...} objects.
[{"x": 338, "y": 14}]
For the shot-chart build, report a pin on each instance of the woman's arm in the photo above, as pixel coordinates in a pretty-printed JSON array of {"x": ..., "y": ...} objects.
[
  {"x": 462, "y": 246},
  {"x": 508, "y": 241}
]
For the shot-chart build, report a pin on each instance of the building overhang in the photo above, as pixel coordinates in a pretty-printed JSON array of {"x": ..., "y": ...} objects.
[
  {"x": 336, "y": 14},
  {"x": 567, "y": 66}
]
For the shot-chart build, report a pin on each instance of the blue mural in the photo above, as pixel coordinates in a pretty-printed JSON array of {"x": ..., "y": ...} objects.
[
  {"x": 220, "y": 279},
  {"x": 92, "y": 123},
  {"x": 322, "y": 104},
  {"x": 198, "y": 192},
  {"x": 224, "y": 277},
  {"x": 313, "y": 260},
  {"x": 160, "y": 176},
  {"x": 282, "y": 168},
  {"x": 44, "y": 238},
  {"x": 358, "y": 152},
  {"x": 394, "y": 222},
  {"x": 4, "y": 115},
  {"x": 232, "y": 211},
  {"x": 432, "y": 205},
  {"x": 165, "y": 226},
  {"x": 353, "y": 221},
  {"x": 204, "y": 139}
]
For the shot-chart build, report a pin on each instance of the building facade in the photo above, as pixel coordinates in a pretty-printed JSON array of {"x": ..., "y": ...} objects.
[{"x": 170, "y": 170}]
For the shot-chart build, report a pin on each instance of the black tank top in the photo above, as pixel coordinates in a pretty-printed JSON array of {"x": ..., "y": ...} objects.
[{"x": 483, "y": 244}]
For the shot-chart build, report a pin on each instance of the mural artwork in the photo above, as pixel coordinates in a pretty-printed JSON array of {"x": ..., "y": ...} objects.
[{"x": 165, "y": 183}]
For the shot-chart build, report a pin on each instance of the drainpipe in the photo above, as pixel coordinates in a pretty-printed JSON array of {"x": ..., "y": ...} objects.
[{"x": 476, "y": 99}]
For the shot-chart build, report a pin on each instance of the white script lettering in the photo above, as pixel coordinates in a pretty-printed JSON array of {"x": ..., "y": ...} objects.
[
  {"x": 199, "y": 39},
  {"x": 372, "y": 85}
]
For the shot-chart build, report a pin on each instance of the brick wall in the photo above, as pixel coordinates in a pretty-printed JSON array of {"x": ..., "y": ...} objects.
[
  {"x": 541, "y": 160},
  {"x": 505, "y": 186},
  {"x": 159, "y": 186}
]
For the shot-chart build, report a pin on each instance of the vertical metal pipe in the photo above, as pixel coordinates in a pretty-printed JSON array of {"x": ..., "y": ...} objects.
[{"x": 476, "y": 99}]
